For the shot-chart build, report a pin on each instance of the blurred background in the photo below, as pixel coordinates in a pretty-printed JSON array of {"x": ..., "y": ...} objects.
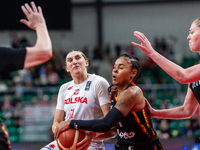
[{"x": 102, "y": 29}]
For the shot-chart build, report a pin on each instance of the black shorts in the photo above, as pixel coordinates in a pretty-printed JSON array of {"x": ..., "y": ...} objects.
[
  {"x": 4, "y": 143},
  {"x": 154, "y": 145}
]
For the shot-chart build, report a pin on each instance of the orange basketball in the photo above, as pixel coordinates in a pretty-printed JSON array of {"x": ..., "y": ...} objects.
[{"x": 68, "y": 139}]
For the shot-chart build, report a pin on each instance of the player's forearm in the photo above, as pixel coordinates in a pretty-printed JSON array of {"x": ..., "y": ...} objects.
[
  {"x": 174, "y": 113},
  {"x": 43, "y": 42},
  {"x": 99, "y": 125},
  {"x": 42, "y": 51}
]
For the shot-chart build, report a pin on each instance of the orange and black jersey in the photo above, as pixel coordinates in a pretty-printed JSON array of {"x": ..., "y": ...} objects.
[
  {"x": 195, "y": 87},
  {"x": 136, "y": 128}
]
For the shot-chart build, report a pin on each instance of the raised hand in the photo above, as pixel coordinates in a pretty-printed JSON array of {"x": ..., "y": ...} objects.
[
  {"x": 34, "y": 16},
  {"x": 145, "y": 45}
]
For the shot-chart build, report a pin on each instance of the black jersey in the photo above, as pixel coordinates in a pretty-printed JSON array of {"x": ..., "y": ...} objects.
[
  {"x": 195, "y": 87},
  {"x": 136, "y": 128},
  {"x": 11, "y": 59}
]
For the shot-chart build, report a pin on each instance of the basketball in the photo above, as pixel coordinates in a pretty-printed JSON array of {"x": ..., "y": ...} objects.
[{"x": 68, "y": 139}]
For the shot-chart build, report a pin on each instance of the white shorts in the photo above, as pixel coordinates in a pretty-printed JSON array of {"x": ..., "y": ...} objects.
[{"x": 93, "y": 146}]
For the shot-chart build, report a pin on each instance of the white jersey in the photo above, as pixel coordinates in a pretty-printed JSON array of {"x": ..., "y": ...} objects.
[{"x": 83, "y": 102}]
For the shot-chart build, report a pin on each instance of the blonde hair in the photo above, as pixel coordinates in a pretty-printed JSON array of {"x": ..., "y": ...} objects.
[{"x": 197, "y": 21}]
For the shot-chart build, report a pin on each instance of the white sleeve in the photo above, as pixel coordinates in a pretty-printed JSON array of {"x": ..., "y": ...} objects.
[
  {"x": 101, "y": 90},
  {"x": 60, "y": 100}
]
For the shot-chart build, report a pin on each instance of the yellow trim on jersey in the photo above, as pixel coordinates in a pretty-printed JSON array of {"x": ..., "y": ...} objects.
[{"x": 142, "y": 126}]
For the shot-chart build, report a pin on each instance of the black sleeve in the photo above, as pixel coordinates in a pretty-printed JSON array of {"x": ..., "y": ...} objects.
[
  {"x": 11, "y": 59},
  {"x": 99, "y": 125}
]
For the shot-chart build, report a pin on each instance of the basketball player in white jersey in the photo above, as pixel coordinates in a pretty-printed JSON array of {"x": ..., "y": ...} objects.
[{"x": 86, "y": 97}]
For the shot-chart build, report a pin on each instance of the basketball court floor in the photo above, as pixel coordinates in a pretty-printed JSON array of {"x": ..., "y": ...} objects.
[{"x": 170, "y": 144}]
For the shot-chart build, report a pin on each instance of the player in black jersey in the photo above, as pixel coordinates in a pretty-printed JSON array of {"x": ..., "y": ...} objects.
[
  {"x": 189, "y": 75},
  {"x": 129, "y": 111},
  {"x": 22, "y": 58}
]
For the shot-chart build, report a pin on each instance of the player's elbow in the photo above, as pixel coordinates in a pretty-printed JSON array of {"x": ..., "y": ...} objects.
[
  {"x": 45, "y": 49},
  {"x": 182, "y": 80},
  {"x": 182, "y": 77},
  {"x": 188, "y": 113},
  {"x": 187, "y": 116},
  {"x": 48, "y": 53}
]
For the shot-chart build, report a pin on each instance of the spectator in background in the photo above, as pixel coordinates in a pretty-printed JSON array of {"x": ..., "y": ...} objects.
[
  {"x": 165, "y": 130},
  {"x": 16, "y": 98},
  {"x": 34, "y": 101},
  {"x": 188, "y": 130},
  {"x": 97, "y": 53},
  {"x": 59, "y": 69},
  {"x": 130, "y": 50},
  {"x": 43, "y": 76},
  {"x": 53, "y": 79},
  {"x": 17, "y": 78},
  {"x": 44, "y": 100},
  {"x": 163, "y": 46},
  {"x": 17, "y": 114},
  {"x": 15, "y": 42},
  {"x": 107, "y": 52},
  {"x": 37, "y": 82},
  {"x": 23, "y": 42},
  {"x": 3, "y": 86},
  {"x": 7, "y": 107},
  {"x": 118, "y": 50},
  {"x": 156, "y": 43}
]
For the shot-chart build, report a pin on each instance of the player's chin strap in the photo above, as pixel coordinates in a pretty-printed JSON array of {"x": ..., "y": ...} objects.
[
  {"x": 99, "y": 125},
  {"x": 73, "y": 147}
]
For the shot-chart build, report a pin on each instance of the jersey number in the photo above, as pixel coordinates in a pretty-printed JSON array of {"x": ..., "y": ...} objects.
[{"x": 71, "y": 115}]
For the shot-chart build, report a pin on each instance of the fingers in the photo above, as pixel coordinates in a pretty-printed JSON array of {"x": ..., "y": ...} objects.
[
  {"x": 81, "y": 142},
  {"x": 82, "y": 145},
  {"x": 24, "y": 11},
  {"x": 34, "y": 7},
  {"x": 40, "y": 10},
  {"x": 24, "y": 21},
  {"x": 28, "y": 8},
  {"x": 57, "y": 132},
  {"x": 139, "y": 35},
  {"x": 135, "y": 44}
]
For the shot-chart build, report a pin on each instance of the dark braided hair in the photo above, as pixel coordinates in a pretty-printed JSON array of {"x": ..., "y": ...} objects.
[{"x": 135, "y": 65}]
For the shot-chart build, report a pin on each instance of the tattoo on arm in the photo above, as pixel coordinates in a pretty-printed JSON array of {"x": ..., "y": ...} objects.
[{"x": 126, "y": 101}]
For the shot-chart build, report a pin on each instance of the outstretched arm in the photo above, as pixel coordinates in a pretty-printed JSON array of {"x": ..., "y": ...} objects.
[
  {"x": 185, "y": 111},
  {"x": 42, "y": 51},
  {"x": 178, "y": 73}
]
